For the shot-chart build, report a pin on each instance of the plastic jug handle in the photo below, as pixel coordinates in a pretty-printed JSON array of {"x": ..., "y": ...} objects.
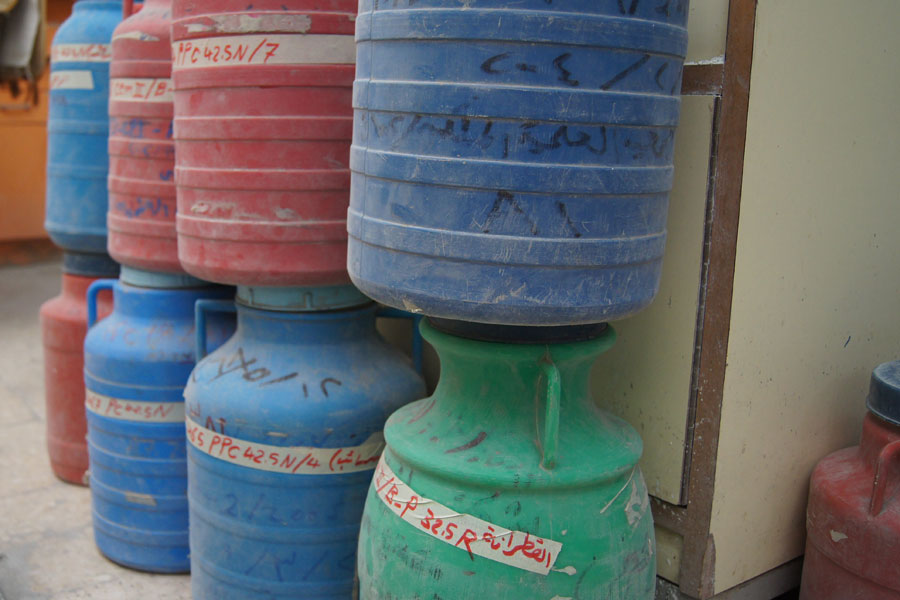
[
  {"x": 552, "y": 393},
  {"x": 92, "y": 293},
  {"x": 201, "y": 307},
  {"x": 386, "y": 312},
  {"x": 887, "y": 477}
]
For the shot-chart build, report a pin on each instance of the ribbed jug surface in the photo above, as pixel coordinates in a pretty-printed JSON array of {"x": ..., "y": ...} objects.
[
  {"x": 141, "y": 215},
  {"x": 77, "y": 127},
  {"x": 284, "y": 428},
  {"x": 511, "y": 162},
  {"x": 263, "y": 123},
  {"x": 136, "y": 364}
]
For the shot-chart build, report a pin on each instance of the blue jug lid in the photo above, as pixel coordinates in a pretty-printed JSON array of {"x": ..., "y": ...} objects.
[
  {"x": 89, "y": 264},
  {"x": 884, "y": 392},
  {"x": 158, "y": 279},
  {"x": 300, "y": 299}
]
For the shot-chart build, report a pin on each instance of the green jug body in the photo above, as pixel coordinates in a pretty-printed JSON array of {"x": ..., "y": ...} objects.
[{"x": 508, "y": 483}]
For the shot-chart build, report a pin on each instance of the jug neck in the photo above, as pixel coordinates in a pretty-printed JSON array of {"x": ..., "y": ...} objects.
[
  {"x": 159, "y": 280},
  {"x": 876, "y": 434},
  {"x": 482, "y": 371},
  {"x": 81, "y": 5},
  {"x": 156, "y": 5},
  {"x": 74, "y": 287},
  {"x": 295, "y": 299},
  {"x": 298, "y": 328},
  {"x": 157, "y": 303}
]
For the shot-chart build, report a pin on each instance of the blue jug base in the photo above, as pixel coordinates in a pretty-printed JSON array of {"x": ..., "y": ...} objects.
[
  {"x": 141, "y": 555},
  {"x": 115, "y": 551},
  {"x": 206, "y": 585},
  {"x": 77, "y": 242},
  {"x": 497, "y": 313},
  {"x": 86, "y": 264}
]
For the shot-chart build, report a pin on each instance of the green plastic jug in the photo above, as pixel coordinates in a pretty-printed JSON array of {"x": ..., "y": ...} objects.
[{"x": 508, "y": 483}]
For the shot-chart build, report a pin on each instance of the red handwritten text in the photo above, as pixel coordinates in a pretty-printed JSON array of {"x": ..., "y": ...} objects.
[
  {"x": 147, "y": 90},
  {"x": 80, "y": 53},
  {"x": 134, "y": 410},
  {"x": 294, "y": 460},
  {"x": 466, "y": 532}
]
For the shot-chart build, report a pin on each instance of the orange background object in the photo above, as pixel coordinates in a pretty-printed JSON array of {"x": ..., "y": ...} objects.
[{"x": 23, "y": 150}]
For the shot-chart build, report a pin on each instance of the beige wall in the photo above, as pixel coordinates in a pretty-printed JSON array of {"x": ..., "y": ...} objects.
[
  {"x": 817, "y": 278},
  {"x": 707, "y": 25},
  {"x": 646, "y": 377}
]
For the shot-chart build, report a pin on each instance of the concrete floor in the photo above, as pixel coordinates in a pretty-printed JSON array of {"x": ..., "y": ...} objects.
[{"x": 46, "y": 541}]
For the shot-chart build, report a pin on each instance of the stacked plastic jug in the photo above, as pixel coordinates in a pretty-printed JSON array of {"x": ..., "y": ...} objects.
[
  {"x": 284, "y": 420},
  {"x": 138, "y": 359},
  {"x": 511, "y": 166},
  {"x": 853, "y": 516},
  {"x": 75, "y": 207}
]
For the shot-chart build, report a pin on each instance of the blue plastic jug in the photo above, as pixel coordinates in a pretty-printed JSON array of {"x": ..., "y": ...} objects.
[
  {"x": 512, "y": 164},
  {"x": 284, "y": 428},
  {"x": 136, "y": 363},
  {"x": 78, "y": 126}
]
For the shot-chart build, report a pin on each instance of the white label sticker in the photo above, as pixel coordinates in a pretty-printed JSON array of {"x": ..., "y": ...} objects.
[
  {"x": 134, "y": 410},
  {"x": 273, "y": 49},
  {"x": 292, "y": 460},
  {"x": 80, "y": 53},
  {"x": 136, "y": 35},
  {"x": 71, "y": 80},
  {"x": 468, "y": 533},
  {"x": 141, "y": 89}
]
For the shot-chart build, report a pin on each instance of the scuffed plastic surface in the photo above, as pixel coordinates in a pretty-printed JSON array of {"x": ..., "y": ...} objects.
[{"x": 512, "y": 165}]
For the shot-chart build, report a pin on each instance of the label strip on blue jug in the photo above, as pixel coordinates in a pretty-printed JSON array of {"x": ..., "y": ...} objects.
[
  {"x": 80, "y": 53},
  {"x": 134, "y": 410},
  {"x": 465, "y": 532},
  {"x": 71, "y": 80},
  {"x": 290, "y": 460}
]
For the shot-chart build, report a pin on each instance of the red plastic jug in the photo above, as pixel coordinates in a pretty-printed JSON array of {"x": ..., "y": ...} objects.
[
  {"x": 63, "y": 327},
  {"x": 263, "y": 122},
  {"x": 853, "y": 518}
]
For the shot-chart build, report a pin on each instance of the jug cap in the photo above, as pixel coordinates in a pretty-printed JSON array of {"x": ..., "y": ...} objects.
[
  {"x": 884, "y": 392},
  {"x": 300, "y": 299},
  {"x": 158, "y": 279},
  {"x": 89, "y": 264}
]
